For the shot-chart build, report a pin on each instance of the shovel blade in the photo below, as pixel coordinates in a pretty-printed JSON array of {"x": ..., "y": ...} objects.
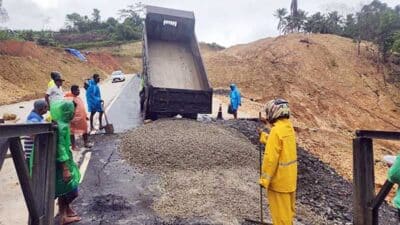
[
  {"x": 109, "y": 128},
  {"x": 258, "y": 222}
]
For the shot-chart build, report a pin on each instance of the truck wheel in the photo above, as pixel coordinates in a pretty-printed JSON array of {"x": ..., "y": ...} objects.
[
  {"x": 153, "y": 116},
  {"x": 192, "y": 116}
]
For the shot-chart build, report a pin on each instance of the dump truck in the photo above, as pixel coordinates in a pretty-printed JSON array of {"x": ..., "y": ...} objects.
[{"x": 174, "y": 78}]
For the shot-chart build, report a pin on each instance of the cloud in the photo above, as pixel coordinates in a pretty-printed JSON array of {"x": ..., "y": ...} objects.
[
  {"x": 226, "y": 22},
  {"x": 46, "y": 4}
]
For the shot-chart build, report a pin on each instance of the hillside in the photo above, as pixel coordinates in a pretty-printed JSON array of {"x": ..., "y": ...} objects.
[
  {"x": 332, "y": 91},
  {"x": 25, "y": 68}
]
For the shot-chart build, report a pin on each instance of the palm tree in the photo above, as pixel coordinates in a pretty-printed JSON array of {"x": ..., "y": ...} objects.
[
  {"x": 293, "y": 8},
  {"x": 280, "y": 14},
  {"x": 334, "y": 21}
]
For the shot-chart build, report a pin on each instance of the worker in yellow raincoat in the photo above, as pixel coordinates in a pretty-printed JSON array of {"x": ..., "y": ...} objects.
[{"x": 279, "y": 167}]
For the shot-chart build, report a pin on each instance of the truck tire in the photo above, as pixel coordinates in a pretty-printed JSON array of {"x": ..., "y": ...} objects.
[
  {"x": 153, "y": 116},
  {"x": 192, "y": 116}
]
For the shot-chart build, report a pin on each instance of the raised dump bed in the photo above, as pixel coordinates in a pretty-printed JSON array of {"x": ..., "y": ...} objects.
[{"x": 175, "y": 81}]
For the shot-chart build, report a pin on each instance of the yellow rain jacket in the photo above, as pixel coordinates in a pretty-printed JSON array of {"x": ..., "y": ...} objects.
[{"x": 279, "y": 168}]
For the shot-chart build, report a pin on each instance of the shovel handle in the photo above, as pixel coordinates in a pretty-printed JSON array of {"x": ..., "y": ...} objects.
[{"x": 261, "y": 192}]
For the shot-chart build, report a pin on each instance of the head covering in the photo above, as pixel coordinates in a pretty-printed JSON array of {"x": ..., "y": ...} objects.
[
  {"x": 39, "y": 105},
  {"x": 57, "y": 76},
  {"x": 277, "y": 108},
  {"x": 54, "y": 74},
  {"x": 62, "y": 111}
]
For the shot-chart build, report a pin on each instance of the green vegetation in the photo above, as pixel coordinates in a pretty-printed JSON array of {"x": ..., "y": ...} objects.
[
  {"x": 375, "y": 22},
  {"x": 83, "y": 31}
]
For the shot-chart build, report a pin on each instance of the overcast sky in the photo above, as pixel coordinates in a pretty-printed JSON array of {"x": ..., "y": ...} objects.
[{"x": 226, "y": 22}]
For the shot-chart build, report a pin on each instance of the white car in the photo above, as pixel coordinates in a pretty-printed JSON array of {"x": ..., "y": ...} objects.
[{"x": 117, "y": 76}]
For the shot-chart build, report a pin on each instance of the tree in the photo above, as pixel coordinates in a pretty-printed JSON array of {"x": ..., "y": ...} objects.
[
  {"x": 296, "y": 23},
  {"x": 293, "y": 8},
  {"x": 397, "y": 9},
  {"x": 26, "y": 35},
  {"x": 291, "y": 23},
  {"x": 389, "y": 24},
  {"x": 133, "y": 12},
  {"x": 73, "y": 20},
  {"x": 350, "y": 29},
  {"x": 96, "y": 16},
  {"x": 3, "y": 13},
  {"x": 316, "y": 23},
  {"x": 396, "y": 43},
  {"x": 334, "y": 21},
  {"x": 280, "y": 14}
]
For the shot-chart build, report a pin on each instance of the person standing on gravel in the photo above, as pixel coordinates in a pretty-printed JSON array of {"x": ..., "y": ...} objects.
[
  {"x": 79, "y": 122},
  {"x": 94, "y": 101},
  {"x": 235, "y": 100},
  {"x": 279, "y": 166}
]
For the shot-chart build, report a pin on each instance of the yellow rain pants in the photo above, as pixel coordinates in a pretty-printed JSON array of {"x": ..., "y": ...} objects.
[{"x": 282, "y": 207}]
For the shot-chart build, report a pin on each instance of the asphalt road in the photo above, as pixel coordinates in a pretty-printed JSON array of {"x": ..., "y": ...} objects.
[
  {"x": 113, "y": 192},
  {"x": 124, "y": 112},
  {"x": 11, "y": 197}
]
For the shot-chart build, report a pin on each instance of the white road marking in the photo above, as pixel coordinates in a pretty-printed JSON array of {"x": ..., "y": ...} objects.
[{"x": 87, "y": 156}]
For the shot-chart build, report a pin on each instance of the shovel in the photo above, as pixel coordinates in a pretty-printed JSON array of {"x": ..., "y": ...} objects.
[
  {"x": 109, "y": 128},
  {"x": 261, "y": 192}
]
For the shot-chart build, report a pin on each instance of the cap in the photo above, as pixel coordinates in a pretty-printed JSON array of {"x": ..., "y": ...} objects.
[{"x": 57, "y": 76}]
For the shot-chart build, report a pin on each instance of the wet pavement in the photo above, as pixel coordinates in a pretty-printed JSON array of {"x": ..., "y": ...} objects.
[
  {"x": 113, "y": 192},
  {"x": 124, "y": 112},
  {"x": 11, "y": 196}
]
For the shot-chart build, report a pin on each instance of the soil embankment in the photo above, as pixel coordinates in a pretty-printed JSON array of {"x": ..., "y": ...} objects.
[
  {"x": 331, "y": 89},
  {"x": 25, "y": 69}
]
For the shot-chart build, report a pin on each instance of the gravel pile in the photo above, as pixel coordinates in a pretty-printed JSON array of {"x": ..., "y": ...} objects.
[
  {"x": 187, "y": 145},
  {"x": 207, "y": 171}
]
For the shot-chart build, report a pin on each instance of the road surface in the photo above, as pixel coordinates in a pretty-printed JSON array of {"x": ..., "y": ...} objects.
[{"x": 12, "y": 206}]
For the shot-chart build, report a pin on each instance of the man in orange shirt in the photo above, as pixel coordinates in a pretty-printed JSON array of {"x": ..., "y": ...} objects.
[{"x": 79, "y": 122}]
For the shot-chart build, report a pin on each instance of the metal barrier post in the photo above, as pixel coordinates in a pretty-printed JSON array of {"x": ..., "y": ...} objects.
[
  {"x": 25, "y": 181},
  {"x": 363, "y": 180},
  {"x": 39, "y": 187}
]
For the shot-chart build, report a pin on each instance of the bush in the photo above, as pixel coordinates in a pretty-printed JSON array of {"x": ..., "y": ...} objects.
[
  {"x": 396, "y": 44},
  {"x": 26, "y": 35},
  {"x": 98, "y": 44},
  {"x": 4, "y": 35}
]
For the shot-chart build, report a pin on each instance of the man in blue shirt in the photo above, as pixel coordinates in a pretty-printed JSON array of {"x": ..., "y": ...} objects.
[
  {"x": 235, "y": 100},
  {"x": 40, "y": 108},
  {"x": 94, "y": 101}
]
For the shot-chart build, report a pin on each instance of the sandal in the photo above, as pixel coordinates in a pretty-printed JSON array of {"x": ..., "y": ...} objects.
[
  {"x": 70, "y": 219},
  {"x": 88, "y": 145}
]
